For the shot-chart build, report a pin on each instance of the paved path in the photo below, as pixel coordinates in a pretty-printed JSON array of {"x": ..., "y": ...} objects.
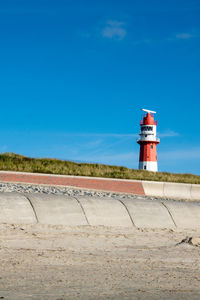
[{"x": 105, "y": 184}]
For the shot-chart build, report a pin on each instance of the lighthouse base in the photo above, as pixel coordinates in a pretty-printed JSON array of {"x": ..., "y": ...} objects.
[{"x": 148, "y": 165}]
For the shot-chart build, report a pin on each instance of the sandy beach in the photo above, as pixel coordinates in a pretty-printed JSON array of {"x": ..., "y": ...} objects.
[{"x": 86, "y": 262}]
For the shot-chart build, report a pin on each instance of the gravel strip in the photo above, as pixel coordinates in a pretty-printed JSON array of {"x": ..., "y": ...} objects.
[
  {"x": 25, "y": 188},
  {"x": 57, "y": 190}
]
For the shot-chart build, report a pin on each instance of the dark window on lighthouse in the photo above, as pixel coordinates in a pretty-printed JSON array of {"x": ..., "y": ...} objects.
[
  {"x": 151, "y": 146},
  {"x": 147, "y": 128},
  {"x": 145, "y": 167}
]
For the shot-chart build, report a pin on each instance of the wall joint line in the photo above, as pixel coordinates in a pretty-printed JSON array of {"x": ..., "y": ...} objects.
[
  {"x": 169, "y": 212},
  {"x": 31, "y": 204},
  {"x": 82, "y": 209}
]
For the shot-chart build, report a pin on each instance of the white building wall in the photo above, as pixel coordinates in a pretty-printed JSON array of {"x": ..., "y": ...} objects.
[{"x": 148, "y": 165}]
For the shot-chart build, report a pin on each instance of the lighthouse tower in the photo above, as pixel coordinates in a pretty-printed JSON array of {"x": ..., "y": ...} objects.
[{"x": 148, "y": 142}]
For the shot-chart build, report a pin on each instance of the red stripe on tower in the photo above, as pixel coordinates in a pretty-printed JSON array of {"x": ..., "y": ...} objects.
[{"x": 148, "y": 142}]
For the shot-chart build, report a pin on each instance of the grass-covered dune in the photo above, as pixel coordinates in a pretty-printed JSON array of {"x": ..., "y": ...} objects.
[{"x": 16, "y": 162}]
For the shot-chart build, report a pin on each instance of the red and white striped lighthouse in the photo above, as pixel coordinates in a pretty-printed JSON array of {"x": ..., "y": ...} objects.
[{"x": 148, "y": 142}]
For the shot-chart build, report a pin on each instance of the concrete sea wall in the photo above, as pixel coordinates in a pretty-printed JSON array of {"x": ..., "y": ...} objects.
[
  {"x": 93, "y": 211},
  {"x": 83, "y": 210}
]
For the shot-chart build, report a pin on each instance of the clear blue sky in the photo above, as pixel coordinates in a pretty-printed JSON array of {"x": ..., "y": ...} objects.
[{"x": 75, "y": 74}]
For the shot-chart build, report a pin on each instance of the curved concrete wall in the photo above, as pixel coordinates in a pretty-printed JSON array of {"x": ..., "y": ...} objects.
[
  {"x": 184, "y": 214},
  {"x": 107, "y": 212},
  {"x": 59, "y": 210},
  {"x": 16, "y": 209},
  {"x": 65, "y": 210},
  {"x": 148, "y": 214}
]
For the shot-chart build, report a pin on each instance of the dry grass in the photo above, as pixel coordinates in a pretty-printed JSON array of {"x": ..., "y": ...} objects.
[{"x": 15, "y": 162}]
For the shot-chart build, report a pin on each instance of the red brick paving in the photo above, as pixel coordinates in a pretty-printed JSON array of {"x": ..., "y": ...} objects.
[{"x": 113, "y": 185}]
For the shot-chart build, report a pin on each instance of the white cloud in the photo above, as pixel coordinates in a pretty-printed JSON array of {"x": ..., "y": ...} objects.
[
  {"x": 184, "y": 36},
  {"x": 114, "y": 30},
  {"x": 102, "y": 135},
  {"x": 173, "y": 38},
  {"x": 169, "y": 133},
  {"x": 94, "y": 144}
]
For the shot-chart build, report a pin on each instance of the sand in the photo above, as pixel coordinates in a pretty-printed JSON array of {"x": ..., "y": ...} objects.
[{"x": 57, "y": 262}]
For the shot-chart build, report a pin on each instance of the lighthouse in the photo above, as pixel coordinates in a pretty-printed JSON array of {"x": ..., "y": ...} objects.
[{"x": 148, "y": 142}]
